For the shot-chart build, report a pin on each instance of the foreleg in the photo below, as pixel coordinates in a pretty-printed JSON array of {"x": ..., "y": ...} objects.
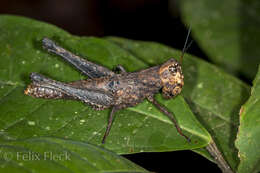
[{"x": 169, "y": 115}]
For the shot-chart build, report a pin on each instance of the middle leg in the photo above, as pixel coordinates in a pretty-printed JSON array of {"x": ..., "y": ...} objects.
[{"x": 109, "y": 125}]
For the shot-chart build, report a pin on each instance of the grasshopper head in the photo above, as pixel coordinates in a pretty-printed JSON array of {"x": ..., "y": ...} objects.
[{"x": 172, "y": 78}]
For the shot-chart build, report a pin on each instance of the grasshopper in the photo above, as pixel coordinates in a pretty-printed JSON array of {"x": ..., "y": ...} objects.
[{"x": 106, "y": 89}]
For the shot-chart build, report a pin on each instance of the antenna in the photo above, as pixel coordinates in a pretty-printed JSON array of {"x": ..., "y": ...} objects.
[{"x": 185, "y": 47}]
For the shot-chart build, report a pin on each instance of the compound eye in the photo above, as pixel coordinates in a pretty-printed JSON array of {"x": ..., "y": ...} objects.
[{"x": 173, "y": 69}]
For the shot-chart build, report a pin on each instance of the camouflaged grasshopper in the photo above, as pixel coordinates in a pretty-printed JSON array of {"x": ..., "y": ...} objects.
[{"x": 104, "y": 88}]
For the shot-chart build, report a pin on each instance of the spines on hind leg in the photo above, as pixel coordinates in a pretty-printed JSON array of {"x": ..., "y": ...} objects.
[
  {"x": 38, "y": 90},
  {"x": 43, "y": 92}
]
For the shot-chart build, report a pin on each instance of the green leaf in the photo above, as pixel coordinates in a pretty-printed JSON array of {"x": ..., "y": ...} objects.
[
  {"x": 227, "y": 31},
  {"x": 248, "y": 138},
  {"x": 139, "y": 129},
  {"x": 60, "y": 155},
  {"x": 213, "y": 95}
]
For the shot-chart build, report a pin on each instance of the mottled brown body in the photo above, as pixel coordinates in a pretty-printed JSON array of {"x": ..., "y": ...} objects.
[
  {"x": 105, "y": 88},
  {"x": 124, "y": 90}
]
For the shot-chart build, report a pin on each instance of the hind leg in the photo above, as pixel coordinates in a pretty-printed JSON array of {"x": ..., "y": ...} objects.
[
  {"x": 88, "y": 68},
  {"x": 43, "y": 87}
]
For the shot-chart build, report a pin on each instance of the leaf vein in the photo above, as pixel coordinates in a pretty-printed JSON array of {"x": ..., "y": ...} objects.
[
  {"x": 68, "y": 122},
  {"x": 23, "y": 118},
  {"x": 8, "y": 93},
  {"x": 216, "y": 114}
]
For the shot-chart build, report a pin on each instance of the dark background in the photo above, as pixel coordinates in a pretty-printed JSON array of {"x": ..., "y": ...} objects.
[{"x": 149, "y": 20}]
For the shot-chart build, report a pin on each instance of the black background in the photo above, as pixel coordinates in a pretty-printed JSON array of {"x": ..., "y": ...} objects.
[{"x": 149, "y": 20}]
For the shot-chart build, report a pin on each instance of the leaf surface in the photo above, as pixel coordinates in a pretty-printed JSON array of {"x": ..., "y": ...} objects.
[
  {"x": 47, "y": 154},
  {"x": 248, "y": 138},
  {"x": 227, "y": 31}
]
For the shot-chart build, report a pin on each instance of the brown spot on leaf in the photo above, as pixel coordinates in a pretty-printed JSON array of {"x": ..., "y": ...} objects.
[{"x": 241, "y": 111}]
